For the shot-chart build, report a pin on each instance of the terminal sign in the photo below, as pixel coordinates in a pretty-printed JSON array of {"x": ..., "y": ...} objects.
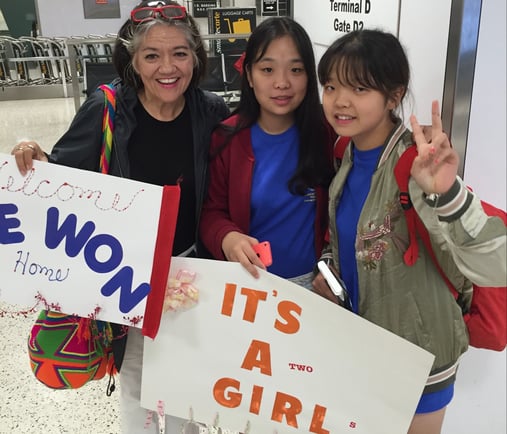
[{"x": 336, "y": 18}]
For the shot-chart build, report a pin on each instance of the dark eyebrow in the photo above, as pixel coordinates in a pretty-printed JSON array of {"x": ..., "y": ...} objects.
[
  {"x": 270, "y": 59},
  {"x": 179, "y": 47}
]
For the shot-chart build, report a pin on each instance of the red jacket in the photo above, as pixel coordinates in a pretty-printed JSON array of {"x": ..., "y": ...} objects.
[{"x": 227, "y": 207}]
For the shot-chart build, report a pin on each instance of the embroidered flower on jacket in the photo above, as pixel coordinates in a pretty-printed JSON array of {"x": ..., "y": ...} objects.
[{"x": 374, "y": 240}]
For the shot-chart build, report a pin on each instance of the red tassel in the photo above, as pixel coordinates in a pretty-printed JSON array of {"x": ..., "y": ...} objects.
[
  {"x": 410, "y": 256},
  {"x": 83, "y": 329},
  {"x": 412, "y": 252}
]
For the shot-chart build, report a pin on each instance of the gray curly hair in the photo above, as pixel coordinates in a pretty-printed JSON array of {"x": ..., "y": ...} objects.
[{"x": 131, "y": 35}]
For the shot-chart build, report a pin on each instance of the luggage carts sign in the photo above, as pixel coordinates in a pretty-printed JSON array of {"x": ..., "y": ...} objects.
[{"x": 231, "y": 20}]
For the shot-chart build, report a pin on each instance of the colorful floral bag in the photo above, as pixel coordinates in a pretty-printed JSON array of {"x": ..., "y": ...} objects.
[{"x": 67, "y": 351}]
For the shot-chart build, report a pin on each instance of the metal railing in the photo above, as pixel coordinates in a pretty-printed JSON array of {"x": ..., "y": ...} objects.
[{"x": 41, "y": 61}]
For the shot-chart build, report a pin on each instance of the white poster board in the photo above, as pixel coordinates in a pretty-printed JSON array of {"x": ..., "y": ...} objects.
[
  {"x": 274, "y": 355},
  {"x": 80, "y": 242}
]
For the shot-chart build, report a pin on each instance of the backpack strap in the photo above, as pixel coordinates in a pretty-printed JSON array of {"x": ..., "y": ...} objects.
[
  {"x": 340, "y": 146},
  {"x": 107, "y": 125},
  {"x": 414, "y": 223},
  {"x": 425, "y": 237},
  {"x": 402, "y": 175}
]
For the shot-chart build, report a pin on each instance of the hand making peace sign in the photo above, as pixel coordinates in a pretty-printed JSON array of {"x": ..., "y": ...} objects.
[{"x": 436, "y": 166}]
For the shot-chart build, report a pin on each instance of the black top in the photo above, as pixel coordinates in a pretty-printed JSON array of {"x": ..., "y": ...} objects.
[{"x": 162, "y": 153}]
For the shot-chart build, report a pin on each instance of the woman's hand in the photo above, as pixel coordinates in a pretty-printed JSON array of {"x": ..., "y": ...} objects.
[
  {"x": 237, "y": 247},
  {"x": 25, "y": 153},
  {"x": 436, "y": 166}
]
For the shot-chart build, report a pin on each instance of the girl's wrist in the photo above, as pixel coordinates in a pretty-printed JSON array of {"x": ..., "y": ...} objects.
[{"x": 452, "y": 204}]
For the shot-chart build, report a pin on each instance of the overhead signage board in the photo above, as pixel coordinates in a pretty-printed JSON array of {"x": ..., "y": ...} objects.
[
  {"x": 231, "y": 20},
  {"x": 101, "y": 9},
  {"x": 336, "y": 18},
  {"x": 269, "y": 7},
  {"x": 200, "y": 8}
]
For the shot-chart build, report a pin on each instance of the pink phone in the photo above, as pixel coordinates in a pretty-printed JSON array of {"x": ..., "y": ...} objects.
[{"x": 263, "y": 250}]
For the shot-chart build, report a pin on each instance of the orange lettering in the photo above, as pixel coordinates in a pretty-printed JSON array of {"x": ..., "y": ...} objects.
[
  {"x": 292, "y": 323},
  {"x": 226, "y": 392},
  {"x": 286, "y": 405},
  {"x": 227, "y": 399},
  {"x": 258, "y": 356},
  {"x": 255, "y": 403},
  {"x": 319, "y": 414},
  {"x": 252, "y": 302},
  {"x": 228, "y": 301}
]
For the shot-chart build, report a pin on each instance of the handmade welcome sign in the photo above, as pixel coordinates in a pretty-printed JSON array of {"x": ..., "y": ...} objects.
[
  {"x": 85, "y": 243},
  {"x": 271, "y": 356}
]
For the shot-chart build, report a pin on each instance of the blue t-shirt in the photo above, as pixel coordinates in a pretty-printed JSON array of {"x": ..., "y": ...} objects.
[
  {"x": 284, "y": 219},
  {"x": 355, "y": 191}
]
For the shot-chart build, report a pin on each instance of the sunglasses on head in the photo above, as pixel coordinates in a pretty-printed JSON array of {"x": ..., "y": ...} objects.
[{"x": 168, "y": 12}]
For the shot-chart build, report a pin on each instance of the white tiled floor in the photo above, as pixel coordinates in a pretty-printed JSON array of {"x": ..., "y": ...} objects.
[
  {"x": 42, "y": 120},
  {"x": 27, "y": 406}
]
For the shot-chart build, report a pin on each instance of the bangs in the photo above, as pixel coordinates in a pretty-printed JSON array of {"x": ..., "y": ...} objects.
[
  {"x": 352, "y": 70},
  {"x": 369, "y": 59},
  {"x": 261, "y": 51}
]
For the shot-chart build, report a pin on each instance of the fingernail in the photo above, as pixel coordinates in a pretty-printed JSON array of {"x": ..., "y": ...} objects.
[{"x": 432, "y": 150}]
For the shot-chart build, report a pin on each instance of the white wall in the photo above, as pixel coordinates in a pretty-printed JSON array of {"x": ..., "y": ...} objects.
[
  {"x": 481, "y": 389},
  {"x": 424, "y": 27},
  {"x": 485, "y": 162},
  {"x": 66, "y": 18}
]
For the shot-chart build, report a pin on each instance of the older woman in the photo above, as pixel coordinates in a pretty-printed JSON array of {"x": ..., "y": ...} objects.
[{"x": 162, "y": 130}]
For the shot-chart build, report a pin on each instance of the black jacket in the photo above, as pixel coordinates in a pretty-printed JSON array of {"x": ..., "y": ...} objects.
[{"x": 80, "y": 146}]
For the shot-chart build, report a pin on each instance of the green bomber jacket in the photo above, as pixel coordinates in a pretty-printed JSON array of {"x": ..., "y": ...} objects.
[{"x": 414, "y": 302}]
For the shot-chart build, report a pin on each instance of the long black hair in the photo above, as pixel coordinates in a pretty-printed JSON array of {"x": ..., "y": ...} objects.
[
  {"x": 314, "y": 167},
  {"x": 130, "y": 34}
]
